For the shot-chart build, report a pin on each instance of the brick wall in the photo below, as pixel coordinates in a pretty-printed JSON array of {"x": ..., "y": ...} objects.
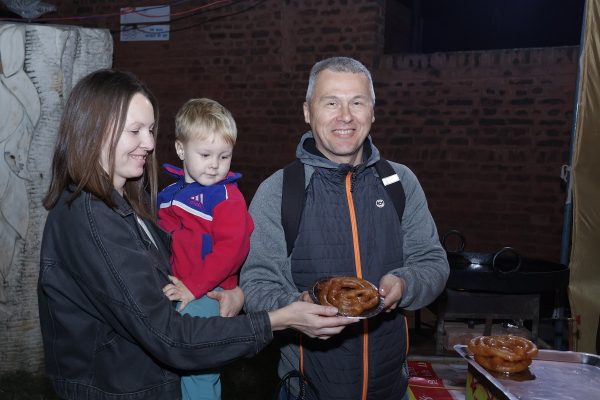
[{"x": 486, "y": 132}]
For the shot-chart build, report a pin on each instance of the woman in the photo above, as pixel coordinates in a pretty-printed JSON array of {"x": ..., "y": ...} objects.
[{"x": 107, "y": 327}]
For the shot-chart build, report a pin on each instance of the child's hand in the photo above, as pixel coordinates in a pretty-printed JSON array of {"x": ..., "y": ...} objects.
[{"x": 178, "y": 291}]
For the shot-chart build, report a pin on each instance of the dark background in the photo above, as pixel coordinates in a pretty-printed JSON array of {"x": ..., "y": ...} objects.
[{"x": 459, "y": 25}]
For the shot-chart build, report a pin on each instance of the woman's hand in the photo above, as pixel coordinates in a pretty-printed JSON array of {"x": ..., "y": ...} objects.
[
  {"x": 176, "y": 290},
  {"x": 311, "y": 319},
  {"x": 230, "y": 301}
]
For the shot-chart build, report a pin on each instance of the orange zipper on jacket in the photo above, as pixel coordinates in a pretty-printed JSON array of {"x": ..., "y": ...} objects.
[{"x": 358, "y": 267}]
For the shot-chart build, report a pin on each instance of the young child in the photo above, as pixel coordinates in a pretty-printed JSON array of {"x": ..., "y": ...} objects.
[{"x": 207, "y": 217}]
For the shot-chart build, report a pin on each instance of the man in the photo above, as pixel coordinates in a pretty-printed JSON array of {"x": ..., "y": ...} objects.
[{"x": 349, "y": 226}]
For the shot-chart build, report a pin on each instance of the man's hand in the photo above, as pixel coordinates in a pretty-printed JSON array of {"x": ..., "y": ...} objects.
[
  {"x": 391, "y": 288},
  {"x": 304, "y": 296},
  {"x": 230, "y": 301},
  {"x": 176, "y": 290}
]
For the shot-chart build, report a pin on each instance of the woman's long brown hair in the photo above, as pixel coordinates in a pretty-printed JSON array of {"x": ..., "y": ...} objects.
[{"x": 95, "y": 114}]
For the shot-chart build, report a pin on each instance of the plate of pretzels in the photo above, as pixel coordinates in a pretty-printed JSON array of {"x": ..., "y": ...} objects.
[
  {"x": 507, "y": 354},
  {"x": 353, "y": 297}
]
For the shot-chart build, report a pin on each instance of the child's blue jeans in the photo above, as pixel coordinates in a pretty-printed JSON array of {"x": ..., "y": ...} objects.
[{"x": 206, "y": 386}]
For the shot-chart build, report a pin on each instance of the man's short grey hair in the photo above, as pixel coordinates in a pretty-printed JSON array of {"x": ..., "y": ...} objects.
[{"x": 338, "y": 64}]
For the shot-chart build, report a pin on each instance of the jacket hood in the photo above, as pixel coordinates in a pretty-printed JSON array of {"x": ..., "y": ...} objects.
[{"x": 308, "y": 153}]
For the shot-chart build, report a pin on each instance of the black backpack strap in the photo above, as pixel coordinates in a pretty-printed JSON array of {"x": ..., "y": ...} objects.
[
  {"x": 292, "y": 201},
  {"x": 392, "y": 185}
]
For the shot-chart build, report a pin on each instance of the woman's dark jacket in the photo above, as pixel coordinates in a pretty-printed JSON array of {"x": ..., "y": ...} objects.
[{"x": 108, "y": 330}]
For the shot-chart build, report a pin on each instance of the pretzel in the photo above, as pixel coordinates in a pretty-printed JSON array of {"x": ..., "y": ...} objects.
[
  {"x": 500, "y": 365},
  {"x": 352, "y": 296},
  {"x": 503, "y": 353}
]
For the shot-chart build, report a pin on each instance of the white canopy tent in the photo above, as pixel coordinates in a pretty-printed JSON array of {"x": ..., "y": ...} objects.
[{"x": 584, "y": 288}]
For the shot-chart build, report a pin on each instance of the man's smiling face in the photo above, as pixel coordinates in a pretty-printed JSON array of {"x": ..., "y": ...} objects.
[{"x": 340, "y": 114}]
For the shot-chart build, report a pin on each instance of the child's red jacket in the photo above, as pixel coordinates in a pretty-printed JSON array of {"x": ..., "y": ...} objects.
[{"x": 210, "y": 231}]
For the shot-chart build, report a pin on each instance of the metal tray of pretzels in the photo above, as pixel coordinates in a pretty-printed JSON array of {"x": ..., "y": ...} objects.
[
  {"x": 553, "y": 374},
  {"x": 353, "y": 297}
]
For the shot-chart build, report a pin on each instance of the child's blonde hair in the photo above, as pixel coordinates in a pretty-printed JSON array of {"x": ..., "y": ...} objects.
[{"x": 203, "y": 118}]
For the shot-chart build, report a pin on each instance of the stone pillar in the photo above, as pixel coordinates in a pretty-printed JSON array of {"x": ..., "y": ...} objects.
[{"x": 39, "y": 64}]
